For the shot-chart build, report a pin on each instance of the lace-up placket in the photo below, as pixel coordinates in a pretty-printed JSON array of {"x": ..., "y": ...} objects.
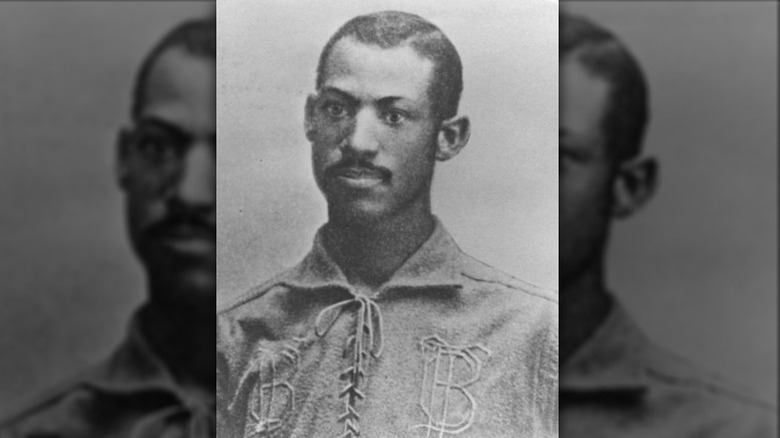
[{"x": 364, "y": 343}]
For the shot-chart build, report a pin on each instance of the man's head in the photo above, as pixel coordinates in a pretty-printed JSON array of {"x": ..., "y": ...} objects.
[
  {"x": 167, "y": 165},
  {"x": 604, "y": 113},
  {"x": 388, "y": 86}
]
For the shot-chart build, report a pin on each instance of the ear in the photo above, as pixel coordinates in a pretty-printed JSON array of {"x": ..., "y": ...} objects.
[
  {"x": 308, "y": 119},
  {"x": 634, "y": 185},
  {"x": 122, "y": 164},
  {"x": 453, "y": 136}
]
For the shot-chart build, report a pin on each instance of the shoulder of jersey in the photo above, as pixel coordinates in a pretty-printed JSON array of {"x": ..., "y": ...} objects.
[
  {"x": 48, "y": 404},
  {"x": 670, "y": 369},
  {"x": 479, "y": 271},
  {"x": 253, "y": 293}
]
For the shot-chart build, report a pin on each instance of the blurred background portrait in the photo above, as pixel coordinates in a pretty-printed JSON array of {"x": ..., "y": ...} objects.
[
  {"x": 70, "y": 280},
  {"x": 697, "y": 267}
]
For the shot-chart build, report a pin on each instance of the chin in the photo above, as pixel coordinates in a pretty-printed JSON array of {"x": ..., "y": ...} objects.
[
  {"x": 362, "y": 212},
  {"x": 186, "y": 287},
  {"x": 197, "y": 282}
]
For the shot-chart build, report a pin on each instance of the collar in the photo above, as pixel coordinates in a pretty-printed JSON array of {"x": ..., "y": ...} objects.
[
  {"x": 134, "y": 368},
  {"x": 437, "y": 263},
  {"x": 612, "y": 360}
]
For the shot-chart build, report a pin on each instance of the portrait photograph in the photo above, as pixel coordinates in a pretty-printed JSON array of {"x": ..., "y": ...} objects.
[{"x": 387, "y": 182}]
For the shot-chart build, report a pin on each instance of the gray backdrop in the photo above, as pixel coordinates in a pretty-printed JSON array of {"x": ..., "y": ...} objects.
[
  {"x": 499, "y": 197},
  {"x": 698, "y": 267},
  {"x": 68, "y": 279}
]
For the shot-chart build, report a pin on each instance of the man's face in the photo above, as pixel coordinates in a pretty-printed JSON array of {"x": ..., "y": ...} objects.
[
  {"x": 167, "y": 170},
  {"x": 373, "y": 131},
  {"x": 586, "y": 170}
]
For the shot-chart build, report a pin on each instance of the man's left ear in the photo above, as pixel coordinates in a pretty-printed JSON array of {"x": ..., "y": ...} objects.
[
  {"x": 634, "y": 185},
  {"x": 453, "y": 136}
]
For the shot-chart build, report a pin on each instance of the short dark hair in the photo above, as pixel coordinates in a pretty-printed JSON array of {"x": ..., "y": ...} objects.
[
  {"x": 603, "y": 54},
  {"x": 198, "y": 37},
  {"x": 390, "y": 29}
]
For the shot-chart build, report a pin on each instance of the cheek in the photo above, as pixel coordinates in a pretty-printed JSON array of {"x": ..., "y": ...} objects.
[
  {"x": 329, "y": 133},
  {"x": 147, "y": 181},
  {"x": 323, "y": 156},
  {"x": 584, "y": 204},
  {"x": 325, "y": 142},
  {"x": 571, "y": 195},
  {"x": 585, "y": 184},
  {"x": 416, "y": 165},
  {"x": 143, "y": 210},
  {"x": 415, "y": 148},
  {"x": 146, "y": 199}
]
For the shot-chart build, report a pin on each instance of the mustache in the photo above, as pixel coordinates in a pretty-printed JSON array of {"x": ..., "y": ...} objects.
[
  {"x": 185, "y": 221},
  {"x": 356, "y": 164}
]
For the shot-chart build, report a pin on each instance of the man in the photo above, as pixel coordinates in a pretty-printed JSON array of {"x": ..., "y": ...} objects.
[
  {"x": 615, "y": 383},
  {"x": 386, "y": 328},
  {"x": 160, "y": 381}
]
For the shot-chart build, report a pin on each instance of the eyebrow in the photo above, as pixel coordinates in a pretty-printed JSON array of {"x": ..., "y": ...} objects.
[
  {"x": 382, "y": 101},
  {"x": 157, "y": 122},
  {"x": 341, "y": 93},
  {"x": 175, "y": 130}
]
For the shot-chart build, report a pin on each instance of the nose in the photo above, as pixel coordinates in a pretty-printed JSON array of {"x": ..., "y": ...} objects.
[
  {"x": 197, "y": 182},
  {"x": 363, "y": 139}
]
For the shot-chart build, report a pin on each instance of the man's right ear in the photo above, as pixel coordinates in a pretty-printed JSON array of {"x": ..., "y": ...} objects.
[
  {"x": 122, "y": 165},
  {"x": 308, "y": 119},
  {"x": 634, "y": 185}
]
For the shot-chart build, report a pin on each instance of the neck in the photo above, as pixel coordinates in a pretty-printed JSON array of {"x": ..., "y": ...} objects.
[
  {"x": 183, "y": 336},
  {"x": 370, "y": 252},
  {"x": 585, "y": 305}
]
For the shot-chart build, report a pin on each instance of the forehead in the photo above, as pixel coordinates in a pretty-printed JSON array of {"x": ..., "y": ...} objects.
[
  {"x": 583, "y": 99},
  {"x": 181, "y": 89},
  {"x": 373, "y": 72}
]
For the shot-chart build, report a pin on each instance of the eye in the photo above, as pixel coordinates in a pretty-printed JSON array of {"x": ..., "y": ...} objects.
[
  {"x": 158, "y": 148},
  {"x": 393, "y": 117},
  {"x": 573, "y": 154},
  {"x": 335, "y": 109},
  {"x": 565, "y": 154}
]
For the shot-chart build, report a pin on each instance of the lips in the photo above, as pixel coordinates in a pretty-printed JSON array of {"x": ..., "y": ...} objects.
[
  {"x": 189, "y": 240},
  {"x": 359, "y": 172},
  {"x": 359, "y": 176}
]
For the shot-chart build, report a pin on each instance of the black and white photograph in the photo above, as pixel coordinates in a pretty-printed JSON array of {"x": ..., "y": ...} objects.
[
  {"x": 668, "y": 195},
  {"x": 107, "y": 163},
  {"x": 390, "y": 241},
  {"x": 388, "y": 219}
]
